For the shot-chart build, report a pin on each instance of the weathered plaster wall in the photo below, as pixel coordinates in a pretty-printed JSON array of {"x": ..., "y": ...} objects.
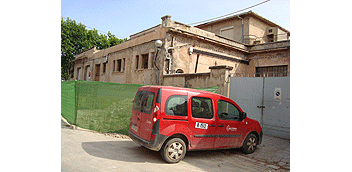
[
  {"x": 182, "y": 59},
  {"x": 270, "y": 54},
  {"x": 178, "y": 38}
]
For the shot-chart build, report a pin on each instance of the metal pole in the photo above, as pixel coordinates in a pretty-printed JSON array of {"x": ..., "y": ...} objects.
[{"x": 262, "y": 117}]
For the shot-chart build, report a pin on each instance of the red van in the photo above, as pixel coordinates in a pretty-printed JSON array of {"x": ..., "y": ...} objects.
[{"x": 176, "y": 120}]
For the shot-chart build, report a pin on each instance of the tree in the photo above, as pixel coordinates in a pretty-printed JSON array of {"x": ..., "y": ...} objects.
[{"x": 75, "y": 38}]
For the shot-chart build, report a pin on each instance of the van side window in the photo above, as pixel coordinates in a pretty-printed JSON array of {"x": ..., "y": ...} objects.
[
  {"x": 143, "y": 102},
  {"x": 176, "y": 105},
  {"x": 228, "y": 111},
  {"x": 201, "y": 107}
]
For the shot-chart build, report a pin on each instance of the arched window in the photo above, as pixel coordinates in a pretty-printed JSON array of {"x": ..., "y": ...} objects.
[{"x": 179, "y": 71}]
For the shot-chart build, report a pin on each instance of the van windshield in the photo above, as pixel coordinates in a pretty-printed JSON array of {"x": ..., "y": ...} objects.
[{"x": 143, "y": 102}]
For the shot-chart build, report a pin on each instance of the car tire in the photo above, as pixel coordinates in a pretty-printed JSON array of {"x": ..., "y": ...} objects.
[
  {"x": 174, "y": 150},
  {"x": 250, "y": 144}
]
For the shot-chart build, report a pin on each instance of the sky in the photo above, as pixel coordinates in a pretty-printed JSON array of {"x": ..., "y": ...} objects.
[{"x": 126, "y": 17}]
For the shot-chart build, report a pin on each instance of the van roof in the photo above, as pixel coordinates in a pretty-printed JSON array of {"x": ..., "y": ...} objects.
[{"x": 185, "y": 89}]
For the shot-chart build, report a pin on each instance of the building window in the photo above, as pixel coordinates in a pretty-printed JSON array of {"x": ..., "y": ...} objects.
[
  {"x": 97, "y": 70},
  {"x": 167, "y": 66},
  {"x": 113, "y": 66},
  {"x": 119, "y": 69},
  {"x": 79, "y": 70},
  {"x": 87, "y": 73},
  {"x": 256, "y": 42},
  {"x": 104, "y": 67},
  {"x": 123, "y": 64},
  {"x": 137, "y": 61},
  {"x": 179, "y": 71},
  {"x": 270, "y": 38},
  {"x": 145, "y": 61},
  {"x": 271, "y": 71}
]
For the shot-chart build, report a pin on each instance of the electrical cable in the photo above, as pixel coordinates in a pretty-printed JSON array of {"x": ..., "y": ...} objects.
[{"x": 230, "y": 13}]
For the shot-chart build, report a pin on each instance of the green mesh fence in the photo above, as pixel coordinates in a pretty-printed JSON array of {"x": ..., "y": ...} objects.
[
  {"x": 100, "y": 106},
  {"x": 105, "y": 107},
  {"x": 210, "y": 89},
  {"x": 68, "y": 110}
]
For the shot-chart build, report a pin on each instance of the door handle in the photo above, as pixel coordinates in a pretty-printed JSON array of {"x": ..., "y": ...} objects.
[
  {"x": 221, "y": 126},
  {"x": 212, "y": 125},
  {"x": 260, "y": 106}
]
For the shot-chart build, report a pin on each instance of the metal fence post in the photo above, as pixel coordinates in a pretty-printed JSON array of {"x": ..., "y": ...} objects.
[
  {"x": 262, "y": 117},
  {"x": 76, "y": 103}
]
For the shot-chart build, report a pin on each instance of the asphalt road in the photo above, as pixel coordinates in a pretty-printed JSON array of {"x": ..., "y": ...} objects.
[{"x": 83, "y": 150}]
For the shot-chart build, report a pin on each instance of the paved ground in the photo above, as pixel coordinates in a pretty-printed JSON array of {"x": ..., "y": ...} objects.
[{"x": 84, "y": 150}]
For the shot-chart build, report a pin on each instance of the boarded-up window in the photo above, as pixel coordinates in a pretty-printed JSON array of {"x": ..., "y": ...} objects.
[{"x": 228, "y": 32}]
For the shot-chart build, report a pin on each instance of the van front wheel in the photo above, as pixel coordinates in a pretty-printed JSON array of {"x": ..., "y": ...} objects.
[
  {"x": 250, "y": 144},
  {"x": 174, "y": 150}
]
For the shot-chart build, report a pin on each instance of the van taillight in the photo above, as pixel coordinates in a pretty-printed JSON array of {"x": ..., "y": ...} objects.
[{"x": 156, "y": 111}]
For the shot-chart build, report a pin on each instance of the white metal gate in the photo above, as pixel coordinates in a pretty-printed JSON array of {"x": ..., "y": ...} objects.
[{"x": 265, "y": 99}]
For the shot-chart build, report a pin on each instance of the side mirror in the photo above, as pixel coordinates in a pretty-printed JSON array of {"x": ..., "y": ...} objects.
[{"x": 243, "y": 115}]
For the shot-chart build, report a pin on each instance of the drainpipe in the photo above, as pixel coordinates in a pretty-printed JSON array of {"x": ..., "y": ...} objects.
[
  {"x": 167, "y": 51},
  {"x": 158, "y": 45},
  {"x": 242, "y": 29}
]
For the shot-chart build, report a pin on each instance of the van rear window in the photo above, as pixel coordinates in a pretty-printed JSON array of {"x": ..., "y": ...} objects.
[
  {"x": 176, "y": 105},
  {"x": 143, "y": 102}
]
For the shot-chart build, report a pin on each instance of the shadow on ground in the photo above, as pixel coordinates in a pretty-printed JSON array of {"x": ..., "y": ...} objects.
[
  {"x": 128, "y": 151},
  {"x": 122, "y": 151}
]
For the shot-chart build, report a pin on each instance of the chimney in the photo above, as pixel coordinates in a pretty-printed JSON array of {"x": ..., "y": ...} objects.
[{"x": 166, "y": 21}]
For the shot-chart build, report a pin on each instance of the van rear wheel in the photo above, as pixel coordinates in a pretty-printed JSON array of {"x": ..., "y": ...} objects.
[{"x": 174, "y": 150}]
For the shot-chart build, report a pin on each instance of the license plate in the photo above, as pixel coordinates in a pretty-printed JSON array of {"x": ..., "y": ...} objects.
[
  {"x": 135, "y": 128},
  {"x": 201, "y": 125}
]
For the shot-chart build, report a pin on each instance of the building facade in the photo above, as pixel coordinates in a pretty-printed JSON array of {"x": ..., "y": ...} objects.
[{"x": 246, "y": 44}]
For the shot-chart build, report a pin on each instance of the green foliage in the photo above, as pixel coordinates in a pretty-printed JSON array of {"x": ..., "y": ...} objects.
[{"x": 75, "y": 38}]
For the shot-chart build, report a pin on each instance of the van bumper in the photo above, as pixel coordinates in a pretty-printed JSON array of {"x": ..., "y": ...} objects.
[{"x": 155, "y": 144}]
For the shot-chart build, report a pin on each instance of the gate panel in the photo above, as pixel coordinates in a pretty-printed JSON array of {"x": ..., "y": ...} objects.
[
  {"x": 276, "y": 117},
  {"x": 247, "y": 93},
  {"x": 265, "y": 99}
]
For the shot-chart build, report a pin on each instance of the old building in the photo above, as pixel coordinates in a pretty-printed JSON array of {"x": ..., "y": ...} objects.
[{"x": 242, "y": 45}]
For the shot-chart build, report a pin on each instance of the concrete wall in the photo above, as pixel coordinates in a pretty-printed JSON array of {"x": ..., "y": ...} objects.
[{"x": 218, "y": 76}]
